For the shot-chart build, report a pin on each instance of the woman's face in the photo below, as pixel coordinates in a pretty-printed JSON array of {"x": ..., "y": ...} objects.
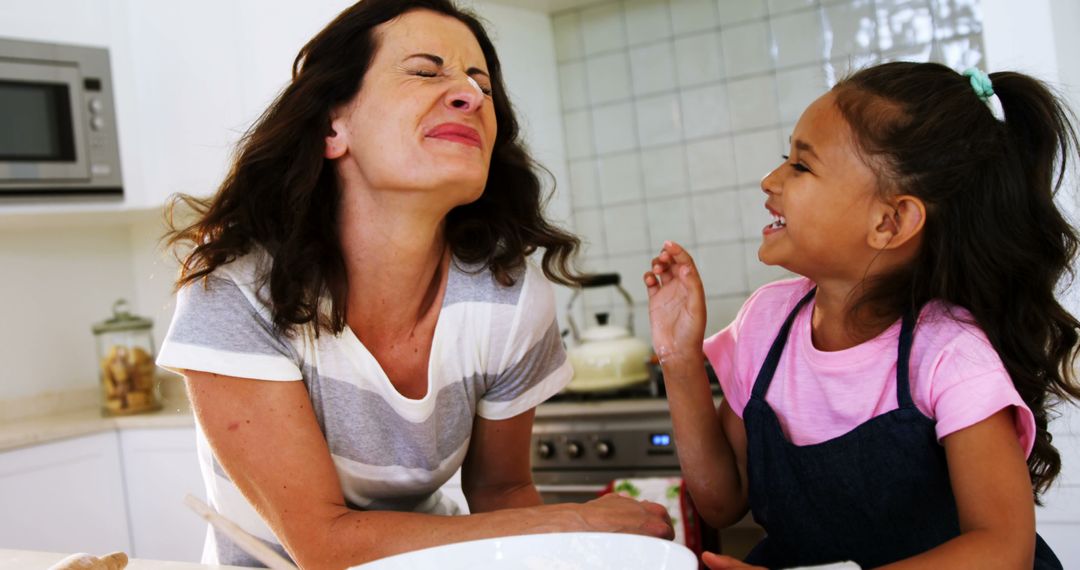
[{"x": 423, "y": 119}]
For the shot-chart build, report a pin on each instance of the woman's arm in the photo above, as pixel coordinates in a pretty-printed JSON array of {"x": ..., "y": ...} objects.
[
  {"x": 711, "y": 442},
  {"x": 266, "y": 437},
  {"x": 990, "y": 480},
  {"x": 497, "y": 473}
]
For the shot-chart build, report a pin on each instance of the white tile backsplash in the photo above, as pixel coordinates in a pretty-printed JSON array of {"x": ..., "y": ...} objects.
[
  {"x": 602, "y": 28},
  {"x": 746, "y": 49},
  {"x": 781, "y": 6},
  {"x": 736, "y": 11},
  {"x": 572, "y": 86},
  {"x": 753, "y": 103},
  {"x": 584, "y": 186},
  {"x": 752, "y": 213},
  {"x": 688, "y": 16},
  {"x": 664, "y": 171},
  {"x": 698, "y": 58},
  {"x": 625, "y": 229},
  {"x": 647, "y": 21},
  {"x": 903, "y": 24},
  {"x": 608, "y": 77},
  {"x": 850, "y": 28},
  {"x": 716, "y": 216},
  {"x": 709, "y": 108},
  {"x": 566, "y": 28},
  {"x": 670, "y": 220},
  {"x": 589, "y": 225},
  {"x": 613, "y": 128},
  {"x": 659, "y": 120},
  {"x": 577, "y": 128},
  {"x": 798, "y": 38},
  {"x": 653, "y": 68},
  {"x": 711, "y": 163},
  {"x": 756, "y": 154},
  {"x": 723, "y": 271},
  {"x": 620, "y": 178},
  {"x": 674, "y": 110},
  {"x": 797, "y": 88}
]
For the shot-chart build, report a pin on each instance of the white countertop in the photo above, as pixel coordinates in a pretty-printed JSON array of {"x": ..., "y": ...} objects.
[
  {"x": 30, "y": 559},
  {"x": 176, "y": 413}
]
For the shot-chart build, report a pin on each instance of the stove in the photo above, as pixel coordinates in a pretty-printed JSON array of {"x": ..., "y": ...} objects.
[{"x": 581, "y": 442}]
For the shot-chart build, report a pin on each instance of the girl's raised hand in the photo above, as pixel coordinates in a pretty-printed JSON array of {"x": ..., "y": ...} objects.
[{"x": 676, "y": 306}]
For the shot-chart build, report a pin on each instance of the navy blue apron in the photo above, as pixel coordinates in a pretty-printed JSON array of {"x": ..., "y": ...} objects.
[{"x": 877, "y": 494}]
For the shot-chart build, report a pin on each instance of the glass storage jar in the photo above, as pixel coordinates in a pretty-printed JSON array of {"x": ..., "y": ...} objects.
[{"x": 125, "y": 349}]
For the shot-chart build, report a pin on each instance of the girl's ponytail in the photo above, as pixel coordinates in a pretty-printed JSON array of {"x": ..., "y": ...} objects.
[
  {"x": 1039, "y": 142},
  {"x": 994, "y": 241}
]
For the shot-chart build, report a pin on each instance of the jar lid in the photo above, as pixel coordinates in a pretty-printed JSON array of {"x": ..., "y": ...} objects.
[{"x": 122, "y": 320}]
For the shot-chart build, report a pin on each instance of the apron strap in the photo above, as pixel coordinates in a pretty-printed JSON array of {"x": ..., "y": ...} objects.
[
  {"x": 903, "y": 359},
  {"x": 765, "y": 375}
]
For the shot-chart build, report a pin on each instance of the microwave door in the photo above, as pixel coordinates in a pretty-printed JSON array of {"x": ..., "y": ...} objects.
[{"x": 42, "y": 136}]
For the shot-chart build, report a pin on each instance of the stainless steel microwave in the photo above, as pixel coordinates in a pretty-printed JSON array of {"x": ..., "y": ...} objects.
[{"x": 58, "y": 130}]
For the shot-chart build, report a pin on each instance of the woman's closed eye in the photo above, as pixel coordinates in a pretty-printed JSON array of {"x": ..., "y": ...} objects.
[
  {"x": 798, "y": 166},
  {"x": 428, "y": 74}
]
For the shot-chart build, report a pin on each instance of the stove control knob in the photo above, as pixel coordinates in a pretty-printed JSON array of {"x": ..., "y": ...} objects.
[
  {"x": 604, "y": 449},
  {"x": 544, "y": 449},
  {"x": 574, "y": 449}
]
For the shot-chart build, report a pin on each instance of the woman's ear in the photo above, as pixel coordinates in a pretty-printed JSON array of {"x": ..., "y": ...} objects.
[
  {"x": 336, "y": 139},
  {"x": 896, "y": 222}
]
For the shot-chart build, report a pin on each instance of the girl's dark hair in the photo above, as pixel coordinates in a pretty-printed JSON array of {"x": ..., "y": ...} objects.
[
  {"x": 281, "y": 194},
  {"x": 994, "y": 241}
]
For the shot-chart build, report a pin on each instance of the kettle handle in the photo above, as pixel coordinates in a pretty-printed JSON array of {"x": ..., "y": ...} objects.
[{"x": 600, "y": 280}]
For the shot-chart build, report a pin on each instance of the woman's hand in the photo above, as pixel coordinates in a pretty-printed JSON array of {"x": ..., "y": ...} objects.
[
  {"x": 718, "y": 562},
  {"x": 676, "y": 306},
  {"x": 615, "y": 513}
]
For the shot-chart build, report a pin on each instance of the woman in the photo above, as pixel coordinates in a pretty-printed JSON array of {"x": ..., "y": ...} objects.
[{"x": 371, "y": 241}]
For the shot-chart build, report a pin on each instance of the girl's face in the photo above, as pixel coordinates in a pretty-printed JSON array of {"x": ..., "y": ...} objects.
[{"x": 821, "y": 197}]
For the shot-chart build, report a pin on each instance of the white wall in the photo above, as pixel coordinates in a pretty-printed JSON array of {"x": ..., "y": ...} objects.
[{"x": 56, "y": 283}]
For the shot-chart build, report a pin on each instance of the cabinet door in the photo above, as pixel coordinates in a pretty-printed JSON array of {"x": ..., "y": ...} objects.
[
  {"x": 160, "y": 467},
  {"x": 65, "y": 496}
]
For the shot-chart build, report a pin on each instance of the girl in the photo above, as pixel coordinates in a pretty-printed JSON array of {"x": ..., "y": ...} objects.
[{"x": 880, "y": 407}]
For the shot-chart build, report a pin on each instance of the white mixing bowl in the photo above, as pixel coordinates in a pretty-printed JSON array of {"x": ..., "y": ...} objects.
[{"x": 556, "y": 551}]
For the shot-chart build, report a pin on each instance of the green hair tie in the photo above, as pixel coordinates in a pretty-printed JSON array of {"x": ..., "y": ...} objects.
[{"x": 980, "y": 82}]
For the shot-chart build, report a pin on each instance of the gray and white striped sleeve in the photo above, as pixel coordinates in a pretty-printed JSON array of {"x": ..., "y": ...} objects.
[
  {"x": 217, "y": 329},
  {"x": 534, "y": 366}
]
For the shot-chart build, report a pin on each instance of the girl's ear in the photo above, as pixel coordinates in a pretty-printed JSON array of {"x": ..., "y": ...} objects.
[
  {"x": 896, "y": 223},
  {"x": 337, "y": 139}
]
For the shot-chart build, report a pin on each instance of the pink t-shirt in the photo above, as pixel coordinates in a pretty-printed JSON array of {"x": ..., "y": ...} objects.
[{"x": 956, "y": 376}]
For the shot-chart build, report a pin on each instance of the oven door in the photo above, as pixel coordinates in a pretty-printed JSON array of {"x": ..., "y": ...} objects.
[
  {"x": 43, "y": 136},
  {"x": 585, "y": 485}
]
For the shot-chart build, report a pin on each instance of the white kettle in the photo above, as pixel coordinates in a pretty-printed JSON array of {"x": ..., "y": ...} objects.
[{"x": 606, "y": 357}]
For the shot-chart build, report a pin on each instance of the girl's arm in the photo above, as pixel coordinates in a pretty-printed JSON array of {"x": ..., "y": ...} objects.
[
  {"x": 993, "y": 497},
  {"x": 267, "y": 439},
  {"x": 711, "y": 442}
]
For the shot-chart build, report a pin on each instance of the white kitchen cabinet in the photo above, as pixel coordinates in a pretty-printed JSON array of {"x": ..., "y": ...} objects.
[
  {"x": 65, "y": 496},
  {"x": 160, "y": 467}
]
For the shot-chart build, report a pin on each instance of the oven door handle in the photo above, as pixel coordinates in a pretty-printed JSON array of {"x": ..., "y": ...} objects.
[{"x": 574, "y": 489}]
